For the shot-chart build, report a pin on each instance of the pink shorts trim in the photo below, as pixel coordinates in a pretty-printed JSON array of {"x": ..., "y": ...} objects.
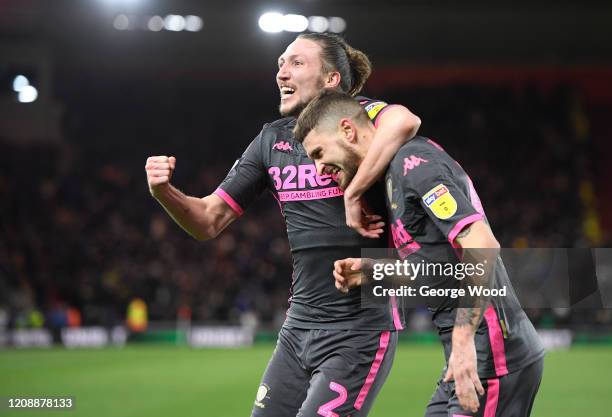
[
  {"x": 492, "y": 398},
  {"x": 380, "y": 355}
]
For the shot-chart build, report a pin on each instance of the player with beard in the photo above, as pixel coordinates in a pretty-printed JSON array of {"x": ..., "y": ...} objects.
[
  {"x": 492, "y": 350},
  {"x": 332, "y": 356}
]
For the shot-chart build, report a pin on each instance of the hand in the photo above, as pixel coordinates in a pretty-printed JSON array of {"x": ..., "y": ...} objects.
[
  {"x": 159, "y": 172},
  {"x": 348, "y": 274},
  {"x": 358, "y": 218},
  {"x": 462, "y": 368}
]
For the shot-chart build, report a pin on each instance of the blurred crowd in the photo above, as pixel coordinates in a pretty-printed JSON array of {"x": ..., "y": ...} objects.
[
  {"x": 93, "y": 238},
  {"x": 81, "y": 236}
]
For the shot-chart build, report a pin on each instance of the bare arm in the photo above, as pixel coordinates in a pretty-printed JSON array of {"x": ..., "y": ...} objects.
[
  {"x": 396, "y": 126},
  {"x": 480, "y": 246},
  {"x": 203, "y": 218}
]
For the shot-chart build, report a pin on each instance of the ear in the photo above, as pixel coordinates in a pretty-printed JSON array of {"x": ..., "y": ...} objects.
[
  {"x": 332, "y": 80},
  {"x": 347, "y": 127}
]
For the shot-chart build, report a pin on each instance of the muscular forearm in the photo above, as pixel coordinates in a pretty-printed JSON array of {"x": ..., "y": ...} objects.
[
  {"x": 466, "y": 322},
  {"x": 395, "y": 127},
  {"x": 479, "y": 248},
  {"x": 203, "y": 218}
]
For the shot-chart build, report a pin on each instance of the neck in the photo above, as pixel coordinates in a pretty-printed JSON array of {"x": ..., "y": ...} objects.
[{"x": 366, "y": 137}]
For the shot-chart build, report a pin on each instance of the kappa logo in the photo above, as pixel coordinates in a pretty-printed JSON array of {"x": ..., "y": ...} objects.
[
  {"x": 282, "y": 146},
  {"x": 412, "y": 162}
]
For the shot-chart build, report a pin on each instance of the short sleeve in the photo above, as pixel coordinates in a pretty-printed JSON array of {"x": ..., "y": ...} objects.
[
  {"x": 442, "y": 195},
  {"x": 246, "y": 180}
]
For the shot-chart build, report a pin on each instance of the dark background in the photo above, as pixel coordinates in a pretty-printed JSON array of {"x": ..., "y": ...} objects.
[{"x": 520, "y": 93}]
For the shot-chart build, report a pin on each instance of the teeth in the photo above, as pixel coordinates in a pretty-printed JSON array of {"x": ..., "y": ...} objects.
[{"x": 287, "y": 90}]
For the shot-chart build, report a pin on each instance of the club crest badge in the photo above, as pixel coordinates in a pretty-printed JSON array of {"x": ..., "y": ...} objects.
[
  {"x": 389, "y": 190},
  {"x": 262, "y": 394}
]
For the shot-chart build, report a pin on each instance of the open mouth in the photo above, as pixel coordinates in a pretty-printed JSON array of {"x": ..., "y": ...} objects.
[
  {"x": 334, "y": 173},
  {"x": 286, "y": 92}
]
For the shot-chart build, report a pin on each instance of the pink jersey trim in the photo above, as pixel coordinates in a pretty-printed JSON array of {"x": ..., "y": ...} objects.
[
  {"x": 492, "y": 398},
  {"x": 497, "y": 341},
  {"x": 461, "y": 224},
  {"x": 380, "y": 354},
  {"x": 474, "y": 198},
  {"x": 229, "y": 200},
  {"x": 380, "y": 113},
  {"x": 433, "y": 143},
  {"x": 396, "y": 318}
]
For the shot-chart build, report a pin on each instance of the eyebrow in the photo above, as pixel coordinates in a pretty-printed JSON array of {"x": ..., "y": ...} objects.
[
  {"x": 316, "y": 153},
  {"x": 288, "y": 58}
]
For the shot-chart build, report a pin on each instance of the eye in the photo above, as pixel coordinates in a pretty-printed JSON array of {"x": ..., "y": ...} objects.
[{"x": 297, "y": 63}]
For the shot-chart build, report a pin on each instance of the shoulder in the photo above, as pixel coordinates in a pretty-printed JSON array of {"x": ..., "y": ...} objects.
[
  {"x": 416, "y": 157},
  {"x": 371, "y": 105},
  {"x": 284, "y": 123},
  {"x": 278, "y": 129},
  {"x": 420, "y": 147},
  {"x": 364, "y": 101}
]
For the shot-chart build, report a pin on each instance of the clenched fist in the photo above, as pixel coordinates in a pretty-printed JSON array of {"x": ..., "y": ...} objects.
[
  {"x": 159, "y": 171},
  {"x": 348, "y": 273}
]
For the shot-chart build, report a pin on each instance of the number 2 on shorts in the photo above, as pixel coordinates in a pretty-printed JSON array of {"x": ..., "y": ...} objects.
[{"x": 326, "y": 410}]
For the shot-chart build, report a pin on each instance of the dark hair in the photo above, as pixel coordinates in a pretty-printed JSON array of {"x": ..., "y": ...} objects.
[
  {"x": 329, "y": 105},
  {"x": 353, "y": 65}
]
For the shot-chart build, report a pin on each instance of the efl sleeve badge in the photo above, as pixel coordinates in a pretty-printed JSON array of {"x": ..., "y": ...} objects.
[
  {"x": 441, "y": 202},
  {"x": 374, "y": 108}
]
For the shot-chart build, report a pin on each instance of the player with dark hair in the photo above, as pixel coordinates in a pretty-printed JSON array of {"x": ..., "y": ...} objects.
[
  {"x": 354, "y": 67},
  {"x": 437, "y": 217},
  {"x": 332, "y": 355}
]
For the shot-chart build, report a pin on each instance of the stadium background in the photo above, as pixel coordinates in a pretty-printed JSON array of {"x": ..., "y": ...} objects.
[{"x": 519, "y": 93}]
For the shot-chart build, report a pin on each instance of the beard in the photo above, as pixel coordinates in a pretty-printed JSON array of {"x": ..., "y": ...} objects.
[
  {"x": 349, "y": 166},
  {"x": 293, "y": 111},
  {"x": 301, "y": 105}
]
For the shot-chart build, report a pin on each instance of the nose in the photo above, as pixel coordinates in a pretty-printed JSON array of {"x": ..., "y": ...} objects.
[{"x": 282, "y": 73}]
